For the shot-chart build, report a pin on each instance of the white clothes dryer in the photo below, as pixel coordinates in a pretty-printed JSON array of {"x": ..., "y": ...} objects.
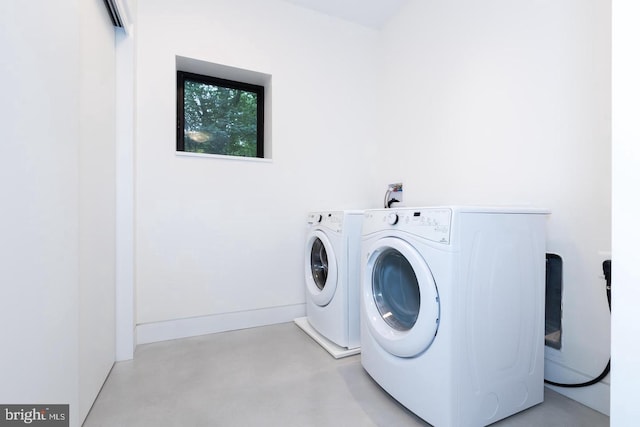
[
  {"x": 453, "y": 310},
  {"x": 332, "y": 276}
]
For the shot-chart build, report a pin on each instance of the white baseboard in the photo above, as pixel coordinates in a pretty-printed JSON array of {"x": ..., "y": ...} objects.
[
  {"x": 596, "y": 396},
  {"x": 183, "y": 328}
]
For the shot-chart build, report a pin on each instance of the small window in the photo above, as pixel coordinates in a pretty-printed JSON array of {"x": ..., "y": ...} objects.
[{"x": 218, "y": 116}]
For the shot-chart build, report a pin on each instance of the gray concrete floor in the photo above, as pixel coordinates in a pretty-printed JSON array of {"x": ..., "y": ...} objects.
[{"x": 270, "y": 376}]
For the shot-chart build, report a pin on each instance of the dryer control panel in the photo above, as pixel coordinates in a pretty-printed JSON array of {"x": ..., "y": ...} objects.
[{"x": 430, "y": 223}]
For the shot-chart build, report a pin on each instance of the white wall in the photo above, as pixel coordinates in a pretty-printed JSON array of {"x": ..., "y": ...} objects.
[
  {"x": 625, "y": 328},
  {"x": 217, "y": 236},
  {"x": 508, "y": 102},
  {"x": 56, "y": 258}
]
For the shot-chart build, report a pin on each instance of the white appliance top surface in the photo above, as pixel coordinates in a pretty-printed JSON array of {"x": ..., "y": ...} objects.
[
  {"x": 345, "y": 212},
  {"x": 474, "y": 209}
]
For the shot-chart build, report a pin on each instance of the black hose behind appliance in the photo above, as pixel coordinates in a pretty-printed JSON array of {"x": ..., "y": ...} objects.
[{"x": 606, "y": 268}]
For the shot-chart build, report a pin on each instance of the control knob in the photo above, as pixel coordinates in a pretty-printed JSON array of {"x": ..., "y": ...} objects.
[{"x": 392, "y": 218}]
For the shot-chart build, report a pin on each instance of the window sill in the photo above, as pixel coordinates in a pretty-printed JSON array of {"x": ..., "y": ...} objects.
[{"x": 223, "y": 157}]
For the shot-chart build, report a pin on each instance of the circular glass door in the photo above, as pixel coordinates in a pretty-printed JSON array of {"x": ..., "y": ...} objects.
[
  {"x": 396, "y": 290},
  {"x": 400, "y": 298},
  {"x": 319, "y": 263},
  {"x": 321, "y": 270}
]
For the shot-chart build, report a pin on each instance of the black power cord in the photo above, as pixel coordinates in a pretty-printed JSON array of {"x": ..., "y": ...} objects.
[{"x": 606, "y": 268}]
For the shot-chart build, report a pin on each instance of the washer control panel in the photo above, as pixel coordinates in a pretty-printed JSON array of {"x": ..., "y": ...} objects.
[
  {"x": 314, "y": 218},
  {"x": 330, "y": 220},
  {"x": 429, "y": 223}
]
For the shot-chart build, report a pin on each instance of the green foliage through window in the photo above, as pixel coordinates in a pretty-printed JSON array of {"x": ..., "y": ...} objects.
[{"x": 217, "y": 116}]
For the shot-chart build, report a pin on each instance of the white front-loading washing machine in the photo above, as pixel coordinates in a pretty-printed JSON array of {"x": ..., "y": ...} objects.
[
  {"x": 453, "y": 310},
  {"x": 332, "y": 277}
]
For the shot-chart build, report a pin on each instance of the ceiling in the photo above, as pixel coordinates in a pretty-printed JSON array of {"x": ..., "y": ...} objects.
[{"x": 370, "y": 13}]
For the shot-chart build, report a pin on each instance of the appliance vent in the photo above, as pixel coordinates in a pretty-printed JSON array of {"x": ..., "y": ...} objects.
[{"x": 114, "y": 13}]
